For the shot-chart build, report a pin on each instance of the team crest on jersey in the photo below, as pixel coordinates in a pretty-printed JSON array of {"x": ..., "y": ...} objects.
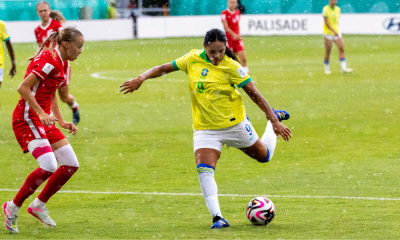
[
  {"x": 204, "y": 72},
  {"x": 41, "y": 130}
]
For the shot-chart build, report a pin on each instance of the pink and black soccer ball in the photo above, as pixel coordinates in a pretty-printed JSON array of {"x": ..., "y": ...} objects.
[{"x": 260, "y": 211}]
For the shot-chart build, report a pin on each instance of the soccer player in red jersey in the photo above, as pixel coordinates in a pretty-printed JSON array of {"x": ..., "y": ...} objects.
[
  {"x": 230, "y": 19},
  {"x": 35, "y": 130},
  {"x": 51, "y": 22}
]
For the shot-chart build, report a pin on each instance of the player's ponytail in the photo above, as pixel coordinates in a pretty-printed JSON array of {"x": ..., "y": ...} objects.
[
  {"x": 216, "y": 34},
  {"x": 56, "y": 15},
  {"x": 52, "y": 38}
]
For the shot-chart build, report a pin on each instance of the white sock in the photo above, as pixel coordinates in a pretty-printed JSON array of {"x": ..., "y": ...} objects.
[
  {"x": 246, "y": 69},
  {"x": 38, "y": 204},
  {"x": 14, "y": 208},
  {"x": 343, "y": 63},
  {"x": 269, "y": 139},
  {"x": 209, "y": 188},
  {"x": 74, "y": 105}
]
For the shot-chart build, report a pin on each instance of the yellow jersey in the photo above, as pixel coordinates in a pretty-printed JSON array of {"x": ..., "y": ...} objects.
[
  {"x": 3, "y": 37},
  {"x": 216, "y": 103},
  {"x": 333, "y": 15}
]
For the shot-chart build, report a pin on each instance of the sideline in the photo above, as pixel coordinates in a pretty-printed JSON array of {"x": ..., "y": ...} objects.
[{"x": 220, "y": 195}]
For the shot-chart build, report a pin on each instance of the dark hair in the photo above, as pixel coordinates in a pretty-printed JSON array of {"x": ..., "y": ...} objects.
[
  {"x": 68, "y": 34},
  {"x": 216, "y": 34},
  {"x": 56, "y": 15}
]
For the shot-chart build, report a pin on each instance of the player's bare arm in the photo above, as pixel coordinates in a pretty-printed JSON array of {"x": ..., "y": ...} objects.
[
  {"x": 329, "y": 26},
  {"x": 228, "y": 30},
  {"x": 254, "y": 94},
  {"x": 134, "y": 84},
  {"x": 10, "y": 49},
  {"x": 25, "y": 91},
  {"x": 57, "y": 113}
]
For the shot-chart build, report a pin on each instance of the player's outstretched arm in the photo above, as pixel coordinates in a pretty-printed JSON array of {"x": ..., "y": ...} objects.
[
  {"x": 134, "y": 84},
  {"x": 57, "y": 113},
  {"x": 10, "y": 49},
  {"x": 25, "y": 90},
  {"x": 262, "y": 103}
]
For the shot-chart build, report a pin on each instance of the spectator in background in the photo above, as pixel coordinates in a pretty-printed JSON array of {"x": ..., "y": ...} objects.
[
  {"x": 132, "y": 4},
  {"x": 112, "y": 11}
]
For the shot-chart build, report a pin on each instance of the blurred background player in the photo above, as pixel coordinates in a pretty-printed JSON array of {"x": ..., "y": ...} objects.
[
  {"x": 331, "y": 14},
  {"x": 35, "y": 130},
  {"x": 230, "y": 19},
  {"x": 51, "y": 22},
  {"x": 218, "y": 113},
  {"x": 4, "y": 37}
]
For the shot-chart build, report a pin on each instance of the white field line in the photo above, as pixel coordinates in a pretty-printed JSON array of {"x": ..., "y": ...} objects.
[
  {"x": 220, "y": 195},
  {"x": 103, "y": 75}
]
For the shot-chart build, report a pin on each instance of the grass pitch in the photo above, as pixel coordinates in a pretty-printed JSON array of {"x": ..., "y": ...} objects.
[{"x": 345, "y": 143}]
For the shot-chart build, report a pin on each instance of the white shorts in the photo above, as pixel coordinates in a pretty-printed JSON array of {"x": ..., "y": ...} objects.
[
  {"x": 1, "y": 74},
  {"x": 242, "y": 135},
  {"x": 332, "y": 37}
]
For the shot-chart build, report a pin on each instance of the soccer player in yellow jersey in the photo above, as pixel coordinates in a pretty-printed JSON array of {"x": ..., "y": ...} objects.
[
  {"x": 331, "y": 14},
  {"x": 4, "y": 37},
  {"x": 218, "y": 112}
]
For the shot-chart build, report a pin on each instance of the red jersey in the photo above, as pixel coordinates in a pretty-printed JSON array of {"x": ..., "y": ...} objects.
[
  {"x": 42, "y": 33},
  {"x": 49, "y": 69},
  {"x": 232, "y": 18}
]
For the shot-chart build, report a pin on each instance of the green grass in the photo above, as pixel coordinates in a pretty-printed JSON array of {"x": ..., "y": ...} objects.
[{"x": 345, "y": 143}]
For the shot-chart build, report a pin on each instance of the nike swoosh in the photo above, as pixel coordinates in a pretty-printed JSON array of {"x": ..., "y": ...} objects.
[{"x": 195, "y": 62}]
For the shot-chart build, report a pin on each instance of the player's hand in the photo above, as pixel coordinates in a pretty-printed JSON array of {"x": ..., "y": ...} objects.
[
  {"x": 336, "y": 34},
  {"x": 69, "y": 126},
  {"x": 237, "y": 36},
  {"x": 282, "y": 130},
  {"x": 47, "y": 120},
  {"x": 132, "y": 85},
  {"x": 13, "y": 70}
]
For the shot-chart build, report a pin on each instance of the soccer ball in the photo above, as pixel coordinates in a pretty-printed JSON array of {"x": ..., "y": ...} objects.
[{"x": 260, "y": 211}]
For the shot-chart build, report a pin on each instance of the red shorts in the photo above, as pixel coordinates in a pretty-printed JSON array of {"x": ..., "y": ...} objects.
[
  {"x": 235, "y": 45},
  {"x": 67, "y": 75},
  {"x": 26, "y": 131}
]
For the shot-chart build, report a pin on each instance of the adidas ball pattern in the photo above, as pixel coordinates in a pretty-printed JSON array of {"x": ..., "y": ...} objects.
[{"x": 260, "y": 211}]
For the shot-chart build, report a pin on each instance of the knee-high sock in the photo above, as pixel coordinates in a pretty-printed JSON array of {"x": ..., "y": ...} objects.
[
  {"x": 209, "y": 188},
  {"x": 269, "y": 139},
  {"x": 56, "y": 181},
  {"x": 32, "y": 182}
]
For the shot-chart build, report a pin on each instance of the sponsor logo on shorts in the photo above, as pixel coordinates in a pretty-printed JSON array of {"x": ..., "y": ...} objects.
[{"x": 42, "y": 131}]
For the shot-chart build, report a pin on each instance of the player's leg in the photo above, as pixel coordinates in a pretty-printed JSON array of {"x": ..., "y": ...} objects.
[
  {"x": 340, "y": 45},
  {"x": 328, "y": 49},
  {"x": 243, "y": 60},
  {"x": 207, "y": 148},
  {"x": 1, "y": 75},
  {"x": 42, "y": 152},
  {"x": 68, "y": 162},
  {"x": 66, "y": 97},
  {"x": 264, "y": 148},
  {"x": 206, "y": 160}
]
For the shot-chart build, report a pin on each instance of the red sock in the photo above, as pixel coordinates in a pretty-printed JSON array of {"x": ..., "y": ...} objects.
[
  {"x": 56, "y": 181},
  {"x": 32, "y": 182}
]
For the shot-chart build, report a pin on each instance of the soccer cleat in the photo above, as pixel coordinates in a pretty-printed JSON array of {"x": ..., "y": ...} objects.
[
  {"x": 347, "y": 70},
  {"x": 76, "y": 117},
  {"x": 327, "y": 72},
  {"x": 281, "y": 114},
  {"x": 220, "y": 224},
  {"x": 42, "y": 214},
  {"x": 11, "y": 219}
]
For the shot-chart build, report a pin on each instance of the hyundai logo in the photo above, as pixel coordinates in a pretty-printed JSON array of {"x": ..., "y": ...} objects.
[{"x": 392, "y": 24}]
